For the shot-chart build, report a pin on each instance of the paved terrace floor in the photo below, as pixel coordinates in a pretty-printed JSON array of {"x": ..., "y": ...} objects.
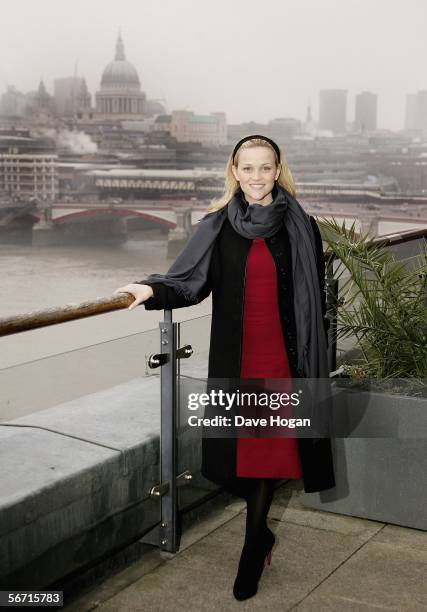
[{"x": 321, "y": 562}]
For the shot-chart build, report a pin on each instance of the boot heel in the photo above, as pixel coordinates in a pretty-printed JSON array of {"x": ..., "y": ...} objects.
[{"x": 251, "y": 565}]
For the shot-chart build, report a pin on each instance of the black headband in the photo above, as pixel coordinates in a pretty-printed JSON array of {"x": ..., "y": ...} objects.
[{"x": 273, "y": 144}]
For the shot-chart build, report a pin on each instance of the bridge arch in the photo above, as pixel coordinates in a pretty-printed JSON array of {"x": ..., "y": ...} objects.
[{"x": 106, "y": 212}]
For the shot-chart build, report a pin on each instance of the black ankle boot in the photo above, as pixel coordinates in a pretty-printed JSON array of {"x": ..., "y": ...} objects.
[{"x": 251, "y": 566}]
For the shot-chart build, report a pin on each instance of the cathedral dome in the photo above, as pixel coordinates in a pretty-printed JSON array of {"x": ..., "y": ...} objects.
[{"x": 120, "y": 74}]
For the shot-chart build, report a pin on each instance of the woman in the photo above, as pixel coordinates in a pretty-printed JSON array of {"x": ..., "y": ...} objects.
[{"x": 261, "y": 256}]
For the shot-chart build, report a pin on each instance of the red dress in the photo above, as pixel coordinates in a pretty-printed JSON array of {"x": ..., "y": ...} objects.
[{"x": 264, "y": 356}]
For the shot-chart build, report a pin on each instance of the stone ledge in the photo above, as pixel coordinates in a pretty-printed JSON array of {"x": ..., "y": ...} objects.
[{"x": 66, "y": 502}]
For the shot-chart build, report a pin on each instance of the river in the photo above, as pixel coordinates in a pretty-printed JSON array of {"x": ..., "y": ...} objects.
[{"x": 35, "y": 278}]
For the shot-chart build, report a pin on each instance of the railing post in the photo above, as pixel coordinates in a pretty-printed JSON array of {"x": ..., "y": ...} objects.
[
  {"x": 164, "y": 534},
  {"x": 168, "y": 438}
]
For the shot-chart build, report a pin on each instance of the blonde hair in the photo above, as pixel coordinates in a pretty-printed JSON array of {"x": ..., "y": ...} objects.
[{"x": 231, "y": 185}]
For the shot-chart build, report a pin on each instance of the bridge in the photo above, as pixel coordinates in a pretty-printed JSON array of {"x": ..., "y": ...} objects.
[{"x": 179, "y": 216}]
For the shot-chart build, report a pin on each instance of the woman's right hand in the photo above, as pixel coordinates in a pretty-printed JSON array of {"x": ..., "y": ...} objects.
[{"x": 139, "y": 292}]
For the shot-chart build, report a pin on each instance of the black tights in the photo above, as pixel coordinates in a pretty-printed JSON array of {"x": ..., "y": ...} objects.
[{"x": 258, "y": 493}]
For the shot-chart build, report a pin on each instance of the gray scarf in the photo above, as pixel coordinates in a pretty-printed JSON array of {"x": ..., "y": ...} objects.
[{"x": 189, "y": 272}]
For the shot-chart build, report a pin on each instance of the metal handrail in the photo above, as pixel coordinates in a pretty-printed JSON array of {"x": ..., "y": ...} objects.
[
  {"x": 393, "y": 239},
  {"x": 70, "y": 312}
]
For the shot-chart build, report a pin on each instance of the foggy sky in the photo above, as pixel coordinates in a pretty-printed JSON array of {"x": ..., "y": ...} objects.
[{"x": 254, "y": 60}]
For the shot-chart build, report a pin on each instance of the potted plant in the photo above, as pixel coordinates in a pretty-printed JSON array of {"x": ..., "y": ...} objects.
[{"x": 381, "y": 460}]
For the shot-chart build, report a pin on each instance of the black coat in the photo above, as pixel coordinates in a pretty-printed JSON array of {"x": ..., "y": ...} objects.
[{"x": 226, "y": 281}]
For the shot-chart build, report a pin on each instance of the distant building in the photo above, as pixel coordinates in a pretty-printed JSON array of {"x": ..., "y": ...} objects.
[
  {"x": 41, "y": 107},
  {"x": 28, "y": 166},
  {"x": 120, "y": 95},
  {"x": 207, "y": 129},
  {"x": 162, "y": 123},
  {"x": 280, "y": 129},
  {"x": 309, "y": 127},
  {"x": 153, "y": 107},
  {"x": 13, "y": 103},
  {"x": 416, "y": 111},
  {"x": 72, "y": 97},
  {"x": 422, "y": 110},
  {"x": 237, "y": 131},
  {"x": 365, "y": 119},
  {"x": 333, "y": 110},
  {"x": 411, "y": 112},
  {"x": 283, "y": 128}
]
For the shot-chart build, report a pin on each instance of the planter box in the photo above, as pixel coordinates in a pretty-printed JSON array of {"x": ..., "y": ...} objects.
[{"x": 382, "y": 478}]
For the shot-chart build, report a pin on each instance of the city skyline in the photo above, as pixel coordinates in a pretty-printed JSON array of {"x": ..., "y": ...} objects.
[{"x": 206, "y": 77}]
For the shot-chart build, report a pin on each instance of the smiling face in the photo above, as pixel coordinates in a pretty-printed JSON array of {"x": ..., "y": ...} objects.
[{"x": 256, "y": 172}]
